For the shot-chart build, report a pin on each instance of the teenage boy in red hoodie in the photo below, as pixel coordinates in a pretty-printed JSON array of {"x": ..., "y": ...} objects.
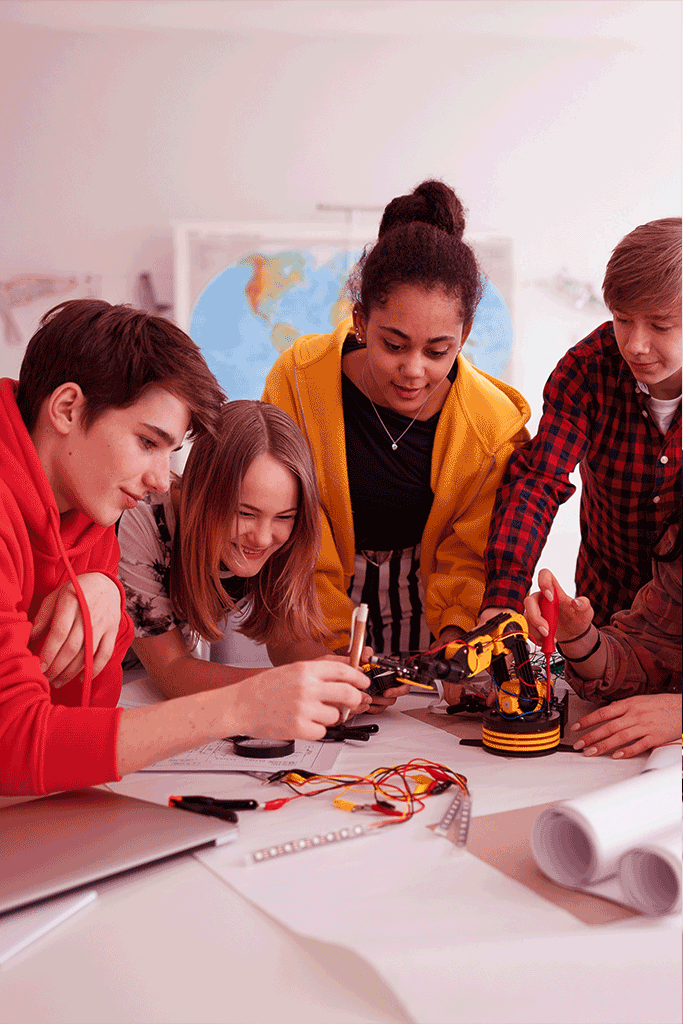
[{"x": 105, "y": 395}]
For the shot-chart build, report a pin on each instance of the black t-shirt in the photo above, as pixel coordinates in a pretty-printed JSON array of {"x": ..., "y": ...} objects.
[{"x": 391, "y": 496}]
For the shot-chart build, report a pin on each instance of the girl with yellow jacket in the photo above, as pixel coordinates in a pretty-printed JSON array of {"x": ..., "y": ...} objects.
[{"x": 409, "y": 440}]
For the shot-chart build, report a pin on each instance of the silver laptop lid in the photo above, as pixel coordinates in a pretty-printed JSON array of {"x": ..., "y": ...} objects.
[{"x": 70, "y": 839}]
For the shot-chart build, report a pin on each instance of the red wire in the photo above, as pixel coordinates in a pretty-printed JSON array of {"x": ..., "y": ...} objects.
[{"x": 383, "y": 786}]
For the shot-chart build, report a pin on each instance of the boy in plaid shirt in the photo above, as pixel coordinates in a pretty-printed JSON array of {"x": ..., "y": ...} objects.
[{"x": 611, "y": 406}]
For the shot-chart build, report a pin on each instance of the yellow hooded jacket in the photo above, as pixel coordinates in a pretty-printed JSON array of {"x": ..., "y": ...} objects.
[{"x": 481, "y": 422}]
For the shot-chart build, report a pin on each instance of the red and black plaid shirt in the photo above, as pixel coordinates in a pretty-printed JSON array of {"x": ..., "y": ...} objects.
[{"x": 594, "y": 414}]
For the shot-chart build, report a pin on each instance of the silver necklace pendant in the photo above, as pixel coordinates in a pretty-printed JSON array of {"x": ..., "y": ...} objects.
[{"x": 394, "y": 443}]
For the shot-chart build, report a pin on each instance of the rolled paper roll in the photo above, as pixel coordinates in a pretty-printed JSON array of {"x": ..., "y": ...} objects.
[
  {"x": 650, "y": 874},
  {"x": 579, "y": 842}
]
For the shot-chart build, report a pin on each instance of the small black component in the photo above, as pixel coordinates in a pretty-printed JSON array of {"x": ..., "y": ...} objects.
[
  {"x": 563, "y": 707},
  {"x": 209, "y": 812},
  {"x": 470, "y": 702},
  {"x": 210, "y": 801},
  {"x": 440, "y": 787},
  {"x": 338, "y": 733},
  {"x": 382, "y": 677},
  {"x": 246, "y": 746},
  {"x": 350, "y": 732},
  {"x": 277, "y": 776}
]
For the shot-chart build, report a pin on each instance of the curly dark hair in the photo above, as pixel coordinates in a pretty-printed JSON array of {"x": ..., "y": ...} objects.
[{"x": 420, "y": 243}]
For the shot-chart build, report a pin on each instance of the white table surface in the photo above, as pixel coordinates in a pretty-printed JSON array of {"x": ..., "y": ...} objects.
[{"x": 174, "y": 942}]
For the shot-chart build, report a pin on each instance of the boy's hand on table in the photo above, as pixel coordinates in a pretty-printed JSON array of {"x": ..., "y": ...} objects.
[
  {"x": 631, "y": 726},
  {"x": 58, "y": 636},
  {"x": 575, "y": 613}
]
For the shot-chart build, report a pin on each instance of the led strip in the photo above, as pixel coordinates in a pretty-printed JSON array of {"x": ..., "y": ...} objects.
[{"x": 310, "y": 843}]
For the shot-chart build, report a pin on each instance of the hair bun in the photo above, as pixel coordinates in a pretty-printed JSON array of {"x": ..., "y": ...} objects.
[{"x": 432, "y": 202}]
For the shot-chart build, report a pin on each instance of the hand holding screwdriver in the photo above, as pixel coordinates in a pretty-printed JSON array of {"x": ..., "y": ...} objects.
[
  {"x": 550, "y": 610},
  {"x": 553, "y": 615}
]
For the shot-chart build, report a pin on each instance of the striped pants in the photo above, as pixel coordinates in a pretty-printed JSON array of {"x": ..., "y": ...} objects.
[{"x": 389, "y": 583}]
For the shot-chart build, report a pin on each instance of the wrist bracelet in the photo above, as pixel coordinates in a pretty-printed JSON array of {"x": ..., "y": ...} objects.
[
  {"x": 580, "y": 636},
  {"x": 577, "y": 661}
]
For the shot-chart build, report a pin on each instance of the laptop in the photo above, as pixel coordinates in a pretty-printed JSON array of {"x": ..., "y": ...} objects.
[{"x": 59, "y": 842}]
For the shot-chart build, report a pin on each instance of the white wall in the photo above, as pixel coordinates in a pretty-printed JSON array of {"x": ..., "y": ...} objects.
[{"x": 562, "y": 144}]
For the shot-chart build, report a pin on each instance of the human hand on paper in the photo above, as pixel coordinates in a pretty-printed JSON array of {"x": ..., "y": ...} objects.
[
  {"x": 575, "y": 613},
  {"x": 58, "y": 635},
  {"x": 296, "y": 701},
  {"x": 631, "y": 726}
]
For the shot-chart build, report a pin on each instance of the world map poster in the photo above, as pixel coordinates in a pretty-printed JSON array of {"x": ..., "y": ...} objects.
[{"x": 244, "y": 293}]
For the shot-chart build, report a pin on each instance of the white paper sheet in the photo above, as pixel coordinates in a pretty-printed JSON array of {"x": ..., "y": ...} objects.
[
  {"x": 219, "y": 757},
  {"x": 406, "y": 900},
  {"x": 415, "y": 908}
]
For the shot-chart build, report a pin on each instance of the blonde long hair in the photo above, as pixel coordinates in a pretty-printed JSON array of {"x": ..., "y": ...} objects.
[{"x": 283, "y": 599}]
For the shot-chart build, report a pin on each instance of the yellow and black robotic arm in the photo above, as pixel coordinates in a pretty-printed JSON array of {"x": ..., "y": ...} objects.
[{"x": 526, "y": 720}]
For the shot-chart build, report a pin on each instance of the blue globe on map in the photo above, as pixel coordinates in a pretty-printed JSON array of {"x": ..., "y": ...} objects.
[{"x": 255, "y": 308}]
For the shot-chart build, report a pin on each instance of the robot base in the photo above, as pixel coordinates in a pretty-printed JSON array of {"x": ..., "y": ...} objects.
[{"x": 521, "y": 737}]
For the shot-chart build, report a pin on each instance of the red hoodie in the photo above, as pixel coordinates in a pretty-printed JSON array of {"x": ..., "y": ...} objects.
[{"x": 60, "y": 739}]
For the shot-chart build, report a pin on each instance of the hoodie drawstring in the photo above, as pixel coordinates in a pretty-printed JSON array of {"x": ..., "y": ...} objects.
[{"x": 85, "y": 612}]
